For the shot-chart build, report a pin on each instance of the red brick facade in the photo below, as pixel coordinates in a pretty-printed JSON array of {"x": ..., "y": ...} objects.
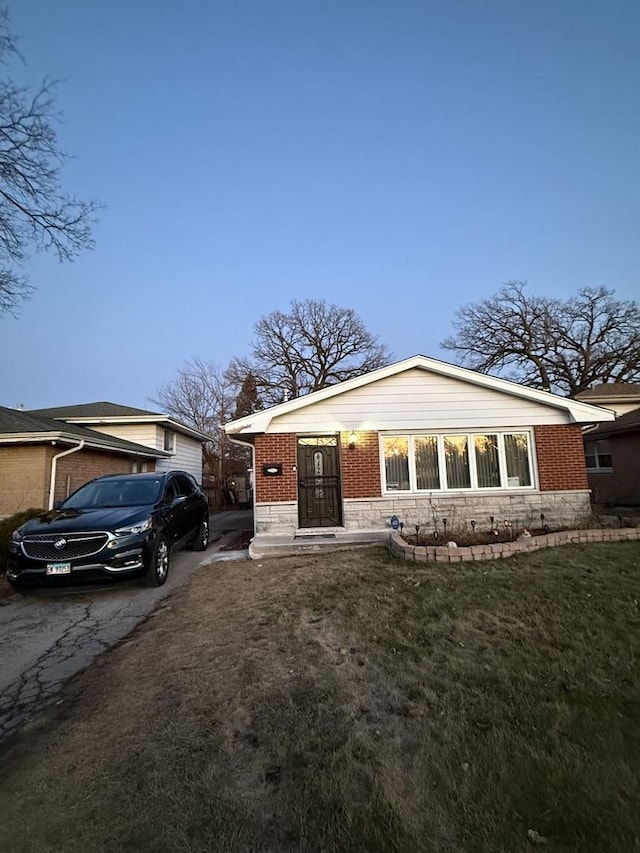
[
  {"x": 560, "y": 453},
  {"x": 560, "y": 456},
  {"x": 281, "y": 449},
  {"x": 361, "y": 466},
  {"x": 77, "y": 468}
]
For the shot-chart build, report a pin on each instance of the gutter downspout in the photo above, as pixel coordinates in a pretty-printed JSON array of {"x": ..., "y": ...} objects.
[{"x": 54, "y": 465}]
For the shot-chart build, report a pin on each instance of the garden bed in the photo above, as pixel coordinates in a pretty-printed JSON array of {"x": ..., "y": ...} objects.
[{"x": 502, "y": 545}]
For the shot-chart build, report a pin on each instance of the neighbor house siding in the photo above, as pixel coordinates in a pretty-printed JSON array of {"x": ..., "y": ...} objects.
[
  {"x": 418, "y": 400},
  {"x": 622, "y": 485},
  {"x": 24, "y": 477},
  {"x": 280, "y": 449},
  {"x": 560, "y": 456},
  {"x": 145, "y": 434},
  {"x": 188, "y": 451},
  {"x": 187, "y": 456},
  {"x": 80, "y": 467}
]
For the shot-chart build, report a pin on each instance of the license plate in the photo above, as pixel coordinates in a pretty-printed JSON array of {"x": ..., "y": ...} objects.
[{"x": 58, "y": 568}]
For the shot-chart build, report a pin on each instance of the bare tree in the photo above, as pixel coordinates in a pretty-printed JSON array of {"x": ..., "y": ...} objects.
[
  {"x": 313, "y": 345},
  {"x": 203, "y": 396},
  {"x": 558, "y": 345},
  {"x": 34, "y": 210},
  {"x": 248, "y": 400}
]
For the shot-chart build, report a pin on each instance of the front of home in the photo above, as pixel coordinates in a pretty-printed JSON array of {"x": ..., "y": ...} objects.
[{"x": 423, "y": 441}]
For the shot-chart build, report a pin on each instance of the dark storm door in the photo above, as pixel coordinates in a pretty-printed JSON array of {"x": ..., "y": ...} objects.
[{"x": 319, "y": 495}]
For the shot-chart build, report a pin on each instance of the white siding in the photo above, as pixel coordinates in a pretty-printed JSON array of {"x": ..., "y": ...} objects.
[
  {"x": 146, "y": 434},
  {"x": 418, "y": 400},
  {"x": 188, "y": 451},
  {"x": 187, "y": 457}
]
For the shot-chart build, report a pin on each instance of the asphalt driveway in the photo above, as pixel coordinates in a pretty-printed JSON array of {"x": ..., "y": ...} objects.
[{"x": 47, "y": 636}]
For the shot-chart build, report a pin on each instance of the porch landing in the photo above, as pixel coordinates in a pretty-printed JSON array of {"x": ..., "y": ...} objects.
[{"x": 304, "y": 541}]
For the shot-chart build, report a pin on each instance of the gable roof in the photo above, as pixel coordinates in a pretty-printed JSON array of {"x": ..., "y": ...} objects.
[
  {"x": 18, "y": 427},
  {"x": 114, "y": 413},
  {"x": 578, "y": 411}
]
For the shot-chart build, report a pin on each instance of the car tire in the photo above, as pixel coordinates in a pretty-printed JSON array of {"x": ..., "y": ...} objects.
[
  {"x": 201, "y": 540},
  {"x": 158, "y": 568},
  {"x": 16, "y": 585}
]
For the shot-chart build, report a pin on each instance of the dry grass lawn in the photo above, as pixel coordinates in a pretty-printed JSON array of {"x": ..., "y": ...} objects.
[{"x": 350, "y": 702}]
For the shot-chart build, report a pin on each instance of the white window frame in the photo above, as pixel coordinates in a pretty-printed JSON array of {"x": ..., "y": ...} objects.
[{"x": 473, "y": 473}]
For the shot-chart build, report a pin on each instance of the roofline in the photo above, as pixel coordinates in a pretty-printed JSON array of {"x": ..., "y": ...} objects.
[
  {"x": 70, "y": 438},
  {"x": 259, "y": 422},
  {"x": 178, "y": 426}
]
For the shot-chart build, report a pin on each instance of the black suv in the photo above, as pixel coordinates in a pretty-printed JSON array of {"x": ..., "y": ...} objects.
[{"x": 115, "y": 526}]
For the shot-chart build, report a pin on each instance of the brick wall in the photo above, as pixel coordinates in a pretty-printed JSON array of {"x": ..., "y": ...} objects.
[
  {"x": 77, "y": 468},
  {"x": 560, "y": 452},
  {"x": 282, "y": 449},
  {"x": 361, "y": 466},
  {"x": 24, "y": 478}
]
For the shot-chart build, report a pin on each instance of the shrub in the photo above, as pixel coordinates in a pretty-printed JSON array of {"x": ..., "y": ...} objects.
[{"x": 7, "y": 526}]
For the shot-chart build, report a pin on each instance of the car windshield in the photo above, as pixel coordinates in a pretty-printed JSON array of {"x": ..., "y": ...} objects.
[{"x": 115, "y": 493}]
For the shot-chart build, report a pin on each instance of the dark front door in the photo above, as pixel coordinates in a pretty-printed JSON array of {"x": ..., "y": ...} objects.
[{"x": 319, "y": 498}]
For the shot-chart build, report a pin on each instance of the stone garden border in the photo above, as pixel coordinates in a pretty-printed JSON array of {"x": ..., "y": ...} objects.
[{"x": 498, "y": 550}]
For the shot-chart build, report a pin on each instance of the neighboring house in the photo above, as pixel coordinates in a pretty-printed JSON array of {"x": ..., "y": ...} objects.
[
  {"x": 420, "y": 440},
  {"x": 622, "y": 397},
  {"x": 612, "y": 450},
  {"x": 43, "y": 460},
  {"x": 180, "y": 445}
]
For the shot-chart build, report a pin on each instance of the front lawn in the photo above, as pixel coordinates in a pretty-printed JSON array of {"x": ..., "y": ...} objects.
[{"x": 351, "y": 702}]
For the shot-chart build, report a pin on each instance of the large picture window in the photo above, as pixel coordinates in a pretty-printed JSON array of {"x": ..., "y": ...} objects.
[{"x": 492, "y": 460}]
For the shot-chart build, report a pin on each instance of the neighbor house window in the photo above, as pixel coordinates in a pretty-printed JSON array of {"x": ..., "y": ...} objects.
[
  {"x": 169, "y": 441},
  {"x": 598, "y": 455},
  {"x": 495, "y": 460}
]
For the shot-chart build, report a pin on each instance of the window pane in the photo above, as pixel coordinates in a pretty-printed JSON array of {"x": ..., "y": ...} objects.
[
  {"x": 604, "y": 453},
  {"x": 396, "y": 462},
  {"x": 456, "y": 452},
  {"x": 516, "y": 451},
  {"x": 427, "y": 472},
  {"x": 487, "y": 463}
]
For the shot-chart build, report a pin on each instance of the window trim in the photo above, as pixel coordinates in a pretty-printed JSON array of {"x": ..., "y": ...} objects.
[
  {"x": 168, "y": 440},
  {"x": 470, "y": 434}
]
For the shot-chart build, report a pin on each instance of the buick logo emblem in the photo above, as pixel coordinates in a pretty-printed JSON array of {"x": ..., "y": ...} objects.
[{"x": 59, "y": 543}]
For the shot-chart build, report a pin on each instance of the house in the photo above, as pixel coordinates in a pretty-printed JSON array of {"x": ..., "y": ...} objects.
[
  {"x": 45, "y": 454},
  {"x": 612, "y": 450},
  {"x": 180, "y": 445},
  {"x": 422, "y": 441},
  {"x": 42, "y": 460}
]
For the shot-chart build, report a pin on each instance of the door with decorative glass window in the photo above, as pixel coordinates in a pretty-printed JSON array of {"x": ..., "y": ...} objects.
[{"x": 319, "y": 492}]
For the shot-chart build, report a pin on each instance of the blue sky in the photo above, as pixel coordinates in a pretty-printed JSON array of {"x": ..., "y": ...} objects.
[{"x": 395, "y": 157}]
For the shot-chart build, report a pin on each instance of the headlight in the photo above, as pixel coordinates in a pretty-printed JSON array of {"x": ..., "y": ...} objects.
[
  {"x": 147, "y": 524},
  {"x": 16, "y": 536}
]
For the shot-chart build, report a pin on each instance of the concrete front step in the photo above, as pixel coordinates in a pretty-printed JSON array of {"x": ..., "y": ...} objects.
[{"x": 304, "y": 542}]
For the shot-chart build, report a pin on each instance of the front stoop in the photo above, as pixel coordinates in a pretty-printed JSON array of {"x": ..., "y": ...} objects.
[{"x": 306, "y": 541}]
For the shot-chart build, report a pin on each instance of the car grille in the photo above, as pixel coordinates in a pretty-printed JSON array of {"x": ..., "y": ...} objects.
[{"x": 42, "y": 546}]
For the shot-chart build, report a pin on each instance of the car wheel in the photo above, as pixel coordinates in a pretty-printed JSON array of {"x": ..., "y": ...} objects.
[
  {"x": 15, "y": 585},
  {"x": 158, "y": 567},
  {"x": 202, "y": 539}
]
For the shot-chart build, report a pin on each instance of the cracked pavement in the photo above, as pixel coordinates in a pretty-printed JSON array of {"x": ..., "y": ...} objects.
[{"x": 46, "y": 636}]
